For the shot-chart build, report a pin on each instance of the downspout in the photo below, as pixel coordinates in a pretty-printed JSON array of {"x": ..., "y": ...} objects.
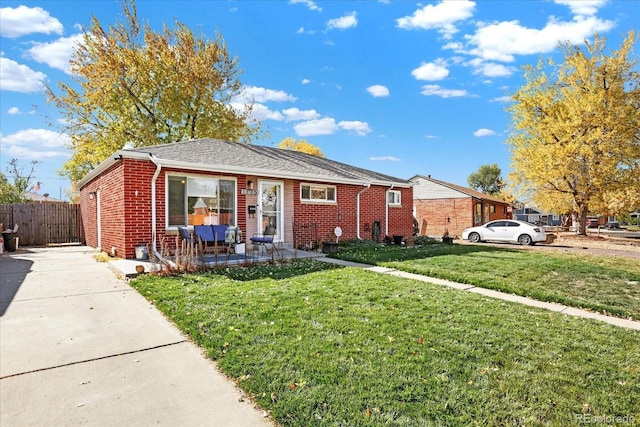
[
  {"x": 367, "y": 185},
  {"x": 153, "y": 207},
  {"x": 386, "y": 210}
]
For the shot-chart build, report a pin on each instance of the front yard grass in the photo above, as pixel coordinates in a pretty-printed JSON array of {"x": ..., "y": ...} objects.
[
  {"x": 319, "y": 345},
  {"x": 605, "y": 284}
]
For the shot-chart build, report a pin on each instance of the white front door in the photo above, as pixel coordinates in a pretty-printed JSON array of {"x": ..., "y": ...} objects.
[{"x": 270, "y": 207}]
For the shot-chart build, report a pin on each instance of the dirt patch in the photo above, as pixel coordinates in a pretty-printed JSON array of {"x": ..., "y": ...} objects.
[{"x": 594, "y": 241}]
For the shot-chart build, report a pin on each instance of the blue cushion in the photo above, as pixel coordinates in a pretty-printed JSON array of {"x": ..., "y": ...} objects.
[
  {"x": 219, "y": 232},
  {"x": 262, "y": 239},
  {"x": 203, "y": 233},
  {"x": 184, "y": 233}
]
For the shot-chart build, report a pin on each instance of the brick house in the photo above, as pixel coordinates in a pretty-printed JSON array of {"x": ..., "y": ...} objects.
[
  {"x": 441, "y": 206},
  {"x": 139, "y": 196}
]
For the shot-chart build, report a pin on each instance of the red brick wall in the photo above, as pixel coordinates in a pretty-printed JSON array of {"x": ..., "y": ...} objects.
[
  {"x": 108, "y": 190},
  {"x": 344, "y": 212},
  {"x": 434, "y": 216}
]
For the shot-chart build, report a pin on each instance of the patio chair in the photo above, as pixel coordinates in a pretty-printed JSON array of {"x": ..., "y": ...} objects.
[
  {"x": 185, "y": 235},
  {"x": 265, "y": 241},
  {"x": 210, "y": 239}
]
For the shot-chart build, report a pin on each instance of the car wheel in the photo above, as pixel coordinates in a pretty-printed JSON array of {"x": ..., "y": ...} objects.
[
  {"x": 525, "y": 239},
  {"x": 474, "y": 237}
]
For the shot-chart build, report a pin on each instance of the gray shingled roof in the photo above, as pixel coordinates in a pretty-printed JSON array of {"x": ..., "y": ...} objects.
[{"x": 272, "y": 161}]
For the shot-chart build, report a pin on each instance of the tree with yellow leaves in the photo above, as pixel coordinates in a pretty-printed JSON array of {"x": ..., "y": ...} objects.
[
  {"x": 576, "y": 139},
  {"x": 301, "y": 145},
  {"x": 137, "y": 86}
]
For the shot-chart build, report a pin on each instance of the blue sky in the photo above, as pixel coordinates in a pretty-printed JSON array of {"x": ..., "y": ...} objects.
[{"x": 398, "y": 87}]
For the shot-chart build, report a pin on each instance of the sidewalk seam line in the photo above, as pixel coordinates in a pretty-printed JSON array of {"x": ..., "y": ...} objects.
[
  {"x": 71, "y": 295},
  {"x": 64, "y": 365}
]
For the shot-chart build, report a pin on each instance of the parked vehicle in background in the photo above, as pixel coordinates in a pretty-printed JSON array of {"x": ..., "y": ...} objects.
[
  {"x": 593, "y": 223},
  {"x": 511, "y": 230},
  {"x": 612, "y": 225}
]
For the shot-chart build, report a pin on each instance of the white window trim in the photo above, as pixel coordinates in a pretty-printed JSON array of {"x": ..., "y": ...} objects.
[
  {"x": 320, "y": 201},
  {"x": 399, "y": 198},
  {"x": 168, "y": 227}
]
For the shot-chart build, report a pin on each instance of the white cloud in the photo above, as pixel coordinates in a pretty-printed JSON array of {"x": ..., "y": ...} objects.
[
  {"x": 19, "y": 78},
  {"x": 436, "y": 70},
  {"x": 442, "y": 17},
  {"x": 309, "y": 3},
  {"x": 583, "y": 7},
  {"x": 435, "y": 90},
  {"x": 502, "y": 99},
  {"x": 378, "y": 91},
  {"x": 503, "y": 40},
  {"x": 483, "y": 132},
  {"x": 302, "y": 30},
  {"x": 260, "y": 94},
  {"x": 347, "y": 21},
  {"x": 56, "y": 54},
  {"x": 35, "y": 144},
  {"x": 27, "y": 20},
  {"x": 306, "y": 81},
  {"x": 262, "y": 112},
  {"x": 490, "y": 69},
  {"x": 325, "y": 126},
  {"x": 294, "y": 114},
  {"x": 360, "y": 128},
  {"x": 384, "y": 159},
  {"x": 13, "y": 111}
]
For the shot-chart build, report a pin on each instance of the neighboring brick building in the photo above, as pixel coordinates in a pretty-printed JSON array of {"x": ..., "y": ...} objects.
[
  {"x": 139, "y": 196},
  {"x": 441, "y": 207}
]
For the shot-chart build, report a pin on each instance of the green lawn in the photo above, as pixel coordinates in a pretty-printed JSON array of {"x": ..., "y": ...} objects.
[
  {"x": 601, "y": 283},
  {"x": 318, "y": 345}
]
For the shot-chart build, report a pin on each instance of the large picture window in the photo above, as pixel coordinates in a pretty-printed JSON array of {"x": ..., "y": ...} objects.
[
  {"x": 197, "y": 201},
  {"x": 317, "y": 193}
]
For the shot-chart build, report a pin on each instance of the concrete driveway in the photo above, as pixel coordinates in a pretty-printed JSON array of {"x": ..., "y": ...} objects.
[{"x": 80, "y": 347}]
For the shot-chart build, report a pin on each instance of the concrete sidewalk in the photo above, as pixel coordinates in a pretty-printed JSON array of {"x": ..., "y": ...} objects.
[{"x": 80, "y": 347}]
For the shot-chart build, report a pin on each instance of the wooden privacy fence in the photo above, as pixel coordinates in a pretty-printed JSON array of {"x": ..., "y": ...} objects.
[{"x": 43, "y": 223}]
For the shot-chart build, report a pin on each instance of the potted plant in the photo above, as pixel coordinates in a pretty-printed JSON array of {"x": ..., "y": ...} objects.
[
  {"x": 446, "y": 238},
  {"x": 329, "y": 246},
  {"x": 397, "y": 239}
]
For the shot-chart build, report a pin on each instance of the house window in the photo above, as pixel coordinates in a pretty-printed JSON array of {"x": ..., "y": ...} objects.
[
  {"x": 394, "y": 198},
  {"x": 492, "y": 208},
  {"x": 317, "y": 193},
  {"x": 197, "y": 200}
]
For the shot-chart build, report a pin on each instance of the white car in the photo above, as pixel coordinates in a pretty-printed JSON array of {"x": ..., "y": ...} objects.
[{"x": 506, "y": 230}]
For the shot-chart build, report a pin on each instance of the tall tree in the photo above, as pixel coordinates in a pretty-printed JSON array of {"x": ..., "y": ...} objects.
[
  {"x": 576, "y": 139},
  {"x": 134, "y": 85},
  {"x": 301, "y": 145},
  {"x": 487, "y": 179},
  {"x": 22, "y": 182}
]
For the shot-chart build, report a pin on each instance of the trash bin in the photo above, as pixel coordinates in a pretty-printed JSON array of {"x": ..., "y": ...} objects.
[
  {"x": 9, "y": 242},
  {"x": 142, "y": 252}
]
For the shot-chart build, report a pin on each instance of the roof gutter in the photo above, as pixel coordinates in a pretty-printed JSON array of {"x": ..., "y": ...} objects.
[
  {"x": 367, "y": 186},
  {"x": 154, "y": 245}
]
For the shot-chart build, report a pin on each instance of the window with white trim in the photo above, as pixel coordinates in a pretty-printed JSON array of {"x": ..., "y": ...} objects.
[
  {"x": 394, "y": 198},
  {"x": 193, "y": 200},
  {"x": 317, "y": 193}
]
